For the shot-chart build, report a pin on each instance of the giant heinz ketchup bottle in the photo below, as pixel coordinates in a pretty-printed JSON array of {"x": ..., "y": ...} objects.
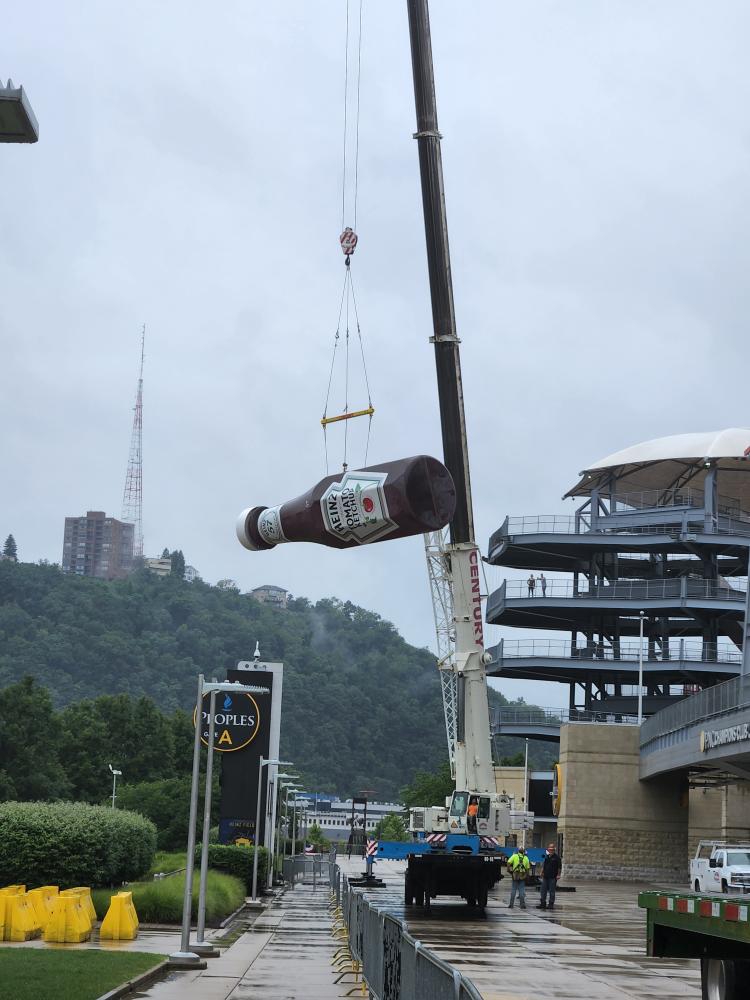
[{"x": 357, "y": 507}]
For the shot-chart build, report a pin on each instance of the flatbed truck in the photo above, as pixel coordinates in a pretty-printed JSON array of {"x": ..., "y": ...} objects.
[{"x": 715, "y": 929}]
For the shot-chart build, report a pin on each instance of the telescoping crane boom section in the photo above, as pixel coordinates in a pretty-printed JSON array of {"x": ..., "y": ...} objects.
[{"x": 473, "y": 750}]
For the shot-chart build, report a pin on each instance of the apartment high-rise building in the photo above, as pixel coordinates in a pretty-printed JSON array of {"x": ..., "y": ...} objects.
[{"x": 98, "y": 545}]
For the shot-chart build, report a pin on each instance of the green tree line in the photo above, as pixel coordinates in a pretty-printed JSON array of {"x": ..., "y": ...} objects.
[{"x": 362, "y": 708}]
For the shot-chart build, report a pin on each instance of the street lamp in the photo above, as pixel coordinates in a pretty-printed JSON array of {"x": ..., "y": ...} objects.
[
  {"x": 115, "y": 775},
  {"x": 261, "y": 764},
  {"x": 277, "y": 841},
  {"x": 17, "y": 120},
  {"x": 640, "y": 670},
  {"x": 289, "y": 788},
  {"x": 185, "y": 958},
  {"x": 294, "y": 813},
  {"x": 525, "y": 794}
]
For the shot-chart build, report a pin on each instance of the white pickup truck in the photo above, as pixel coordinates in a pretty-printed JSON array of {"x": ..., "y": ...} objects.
[{"x": 721, "y": 867}]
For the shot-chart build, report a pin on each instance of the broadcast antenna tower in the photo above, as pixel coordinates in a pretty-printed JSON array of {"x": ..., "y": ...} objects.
[{"x": 132, "y": 495}]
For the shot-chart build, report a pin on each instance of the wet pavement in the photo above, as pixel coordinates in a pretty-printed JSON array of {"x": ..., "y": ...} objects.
[
  {"x": 285, "y": 954},
  {"x": 156, "y": 940},
  {"x": 592, "y": 946}
]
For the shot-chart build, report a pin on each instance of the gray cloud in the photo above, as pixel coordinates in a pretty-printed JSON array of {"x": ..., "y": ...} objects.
[{"x": 188, "y": 176}]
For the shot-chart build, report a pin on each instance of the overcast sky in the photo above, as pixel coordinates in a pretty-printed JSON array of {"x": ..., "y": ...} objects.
[{"x": 188, "y": 175}]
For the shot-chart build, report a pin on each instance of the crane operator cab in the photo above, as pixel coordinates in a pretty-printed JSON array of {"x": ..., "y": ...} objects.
[{"x": 487, "y": 815}]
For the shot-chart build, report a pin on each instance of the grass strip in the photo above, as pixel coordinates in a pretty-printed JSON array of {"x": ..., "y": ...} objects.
[
  {"x": 160, "y": 900},
  {"x": 33, "y": 973}
]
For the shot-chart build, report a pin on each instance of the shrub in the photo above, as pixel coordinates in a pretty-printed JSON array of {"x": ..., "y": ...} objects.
[
  {"x": 167, "y": 804},
  {"x": 160, "y": 901},
  {"x": 237, "y": 861},
  {"x": 70, "y": 843}
]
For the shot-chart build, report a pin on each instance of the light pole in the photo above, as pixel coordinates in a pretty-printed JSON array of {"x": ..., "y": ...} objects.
[
  {"x": 640, "y": 670},
  {"x": 282, "y": 784},
  {"x": 525, "y": 794},
  {"x": 184, "y": 958},
  {"x": 201, "y": 947},
  {"x": 288, "y": 788},
  {"x": 294, "y": 816},
  {"x": 261, "y": 764},
  {"x": 115, "y": 775}
]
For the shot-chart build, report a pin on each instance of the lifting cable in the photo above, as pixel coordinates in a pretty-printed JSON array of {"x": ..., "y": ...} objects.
[{"x": 348, "y": 242}]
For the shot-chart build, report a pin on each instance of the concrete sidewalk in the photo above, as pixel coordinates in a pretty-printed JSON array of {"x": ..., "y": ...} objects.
[{"x": 285, "y": 955}]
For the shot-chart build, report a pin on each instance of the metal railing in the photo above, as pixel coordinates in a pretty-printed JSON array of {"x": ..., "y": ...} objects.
[
  {"x": 580, "y": 524},
  {"x": 694, "y": 652},
  {"x": 627, "y": 590},
  {"x": 395, "y": 966},
  {"x": 303, "y": 866},
  {"x": 686, "y": 497},
  {"x": 717, "y": 700},
  {"x": 553, "y": 716}
]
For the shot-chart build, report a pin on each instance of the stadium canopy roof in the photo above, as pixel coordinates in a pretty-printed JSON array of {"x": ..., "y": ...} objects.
[{"x": 673, "y": 463}]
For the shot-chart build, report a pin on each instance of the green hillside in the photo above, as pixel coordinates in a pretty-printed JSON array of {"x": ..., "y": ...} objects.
[{"x": 362, "y": 708}]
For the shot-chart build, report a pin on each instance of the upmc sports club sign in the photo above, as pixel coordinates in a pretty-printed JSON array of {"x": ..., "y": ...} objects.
[{"x": 237, "y": 720}]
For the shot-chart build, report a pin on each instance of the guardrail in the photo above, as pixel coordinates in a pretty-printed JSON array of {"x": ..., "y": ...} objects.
[
  {"x": 395, "y": 965},
  {"x": 626, "y": 590},
  {"x": 699, "y": 652},
  {"x": 685, "y": 497},
  {"x": 554, "y": 716},
  {"x": 716, "y": 700},
  {"x": 580, "y": 524}
]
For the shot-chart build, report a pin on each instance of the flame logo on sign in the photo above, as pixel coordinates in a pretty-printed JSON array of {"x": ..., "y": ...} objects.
[{"x": 227, "y": 703}]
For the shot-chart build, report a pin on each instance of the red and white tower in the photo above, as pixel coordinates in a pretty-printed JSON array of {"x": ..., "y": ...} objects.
[{"x": 132, "y": 496}]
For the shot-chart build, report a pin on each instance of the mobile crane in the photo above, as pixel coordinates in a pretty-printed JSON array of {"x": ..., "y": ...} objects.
[{"x": 457, "y": 852}]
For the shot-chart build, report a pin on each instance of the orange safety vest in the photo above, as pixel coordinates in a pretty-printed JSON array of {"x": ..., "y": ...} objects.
[{"x": 473, "y": 810}]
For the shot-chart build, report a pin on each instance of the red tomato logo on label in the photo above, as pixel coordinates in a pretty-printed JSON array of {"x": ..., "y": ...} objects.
[{"x": 368, "y": 505}]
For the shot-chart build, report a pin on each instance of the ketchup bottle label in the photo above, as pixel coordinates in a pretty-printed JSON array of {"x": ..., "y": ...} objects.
[
  {"x": 354, "y": 509},
  {"x": 269, "y": 525}
]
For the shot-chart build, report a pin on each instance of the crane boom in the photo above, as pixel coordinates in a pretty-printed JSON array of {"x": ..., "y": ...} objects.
[{"x": 473, "y": 748}]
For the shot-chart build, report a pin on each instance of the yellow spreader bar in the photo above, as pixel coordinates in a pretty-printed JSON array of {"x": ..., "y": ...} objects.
[{"x": 347, "y": 416}]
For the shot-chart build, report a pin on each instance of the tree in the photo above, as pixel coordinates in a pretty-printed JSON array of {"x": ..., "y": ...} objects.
[
  {"x": 390, "y": 827},
  {"x": 10, "y": 549},
  {"x": 316, "y": 838},
  {"x": 30, "y": 765},
  {"x": 429, "y": 789},
  {"x": 165, "y": 554},
  {"x": 178, "y": 564},
  {"x": 167, "y": 804}
]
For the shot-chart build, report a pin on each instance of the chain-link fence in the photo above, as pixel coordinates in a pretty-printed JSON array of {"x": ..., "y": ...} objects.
[{"x": 395, "y": 966}]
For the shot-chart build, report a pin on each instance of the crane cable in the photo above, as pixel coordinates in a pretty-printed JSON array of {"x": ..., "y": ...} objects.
[{"x": 348, "y": 242}]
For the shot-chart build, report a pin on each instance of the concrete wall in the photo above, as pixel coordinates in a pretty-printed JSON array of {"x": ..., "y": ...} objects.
[
  {"x": 719, "y": 814},
  {"x": 615, "y": 826}
]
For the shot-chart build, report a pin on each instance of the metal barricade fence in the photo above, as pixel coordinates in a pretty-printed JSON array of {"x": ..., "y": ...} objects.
[{"x": 395, "y": 966}]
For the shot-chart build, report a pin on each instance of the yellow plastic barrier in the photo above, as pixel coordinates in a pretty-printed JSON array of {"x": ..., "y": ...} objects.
[
  {"x": 43, "y": 901},
  {"x": 70, "y": 922},
  {"x": 12, "y": 890},
  {"x": 20, "y": 922},
  {"x": 85, "y": 893},
  {"x": 121, "y": 921}
]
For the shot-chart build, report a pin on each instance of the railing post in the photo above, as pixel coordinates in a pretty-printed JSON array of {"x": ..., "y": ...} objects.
[
  {"x": 500, "y": 649},
  {"x": 682, "y": 649}
]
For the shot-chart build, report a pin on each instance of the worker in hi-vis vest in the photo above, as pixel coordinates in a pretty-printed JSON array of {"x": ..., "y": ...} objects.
[{"x": 519, "y": 867}]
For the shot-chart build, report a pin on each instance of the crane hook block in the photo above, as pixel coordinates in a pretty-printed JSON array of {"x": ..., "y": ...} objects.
[{"x": 348, "y": 241}]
